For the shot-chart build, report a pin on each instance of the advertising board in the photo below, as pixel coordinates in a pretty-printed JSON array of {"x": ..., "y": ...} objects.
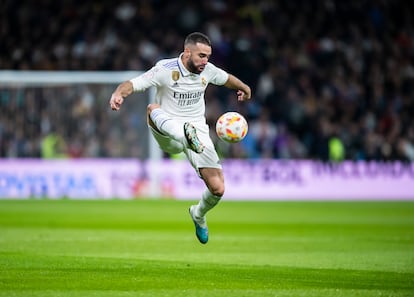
[{"x": 245, "y": 179}]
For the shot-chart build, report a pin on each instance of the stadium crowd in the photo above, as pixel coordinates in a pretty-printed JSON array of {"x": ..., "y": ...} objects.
[{"x": 331, "y": 79}]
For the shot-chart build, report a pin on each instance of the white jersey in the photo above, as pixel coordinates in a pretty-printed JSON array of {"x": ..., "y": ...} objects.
[{"x": 180, "y": 92}]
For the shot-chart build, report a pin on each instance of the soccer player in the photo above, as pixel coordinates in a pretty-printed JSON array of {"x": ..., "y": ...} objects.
[{"x": 177, "y": 117}]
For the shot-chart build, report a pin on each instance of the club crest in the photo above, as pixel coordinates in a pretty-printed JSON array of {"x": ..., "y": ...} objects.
[
  {"x": 175, "y": 75},
  {"x": 203, "y": 81}
]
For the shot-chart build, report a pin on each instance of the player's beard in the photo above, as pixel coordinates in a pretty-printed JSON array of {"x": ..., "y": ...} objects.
[{"x": 192, "y": 67}]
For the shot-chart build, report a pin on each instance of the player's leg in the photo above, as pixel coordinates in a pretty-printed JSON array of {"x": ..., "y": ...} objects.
[
  {"x": 164, "y": 124},
  {"x": 209, "y": 169},
  {"x": 214, "y": 180}
]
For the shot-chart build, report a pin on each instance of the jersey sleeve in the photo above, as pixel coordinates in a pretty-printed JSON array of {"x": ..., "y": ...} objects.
[
  {"x": 219, "y": 76},
  {"x": 150, "y": 78}
]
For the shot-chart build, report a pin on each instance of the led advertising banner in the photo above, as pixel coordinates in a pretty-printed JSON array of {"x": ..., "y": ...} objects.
[
  {"x": 245, "y": 179},
  {"x": 90, "y": 179},
  {"x": 298, "y": 180}
]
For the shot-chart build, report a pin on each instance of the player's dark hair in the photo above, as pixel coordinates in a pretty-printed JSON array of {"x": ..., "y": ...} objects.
[{"x": 195, "y": 37}]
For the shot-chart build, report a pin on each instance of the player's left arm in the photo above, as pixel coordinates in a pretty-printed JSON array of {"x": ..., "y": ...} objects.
[{"x": 243, "y": 91}]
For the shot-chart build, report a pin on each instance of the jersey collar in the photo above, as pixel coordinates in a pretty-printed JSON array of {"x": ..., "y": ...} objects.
[{"x": 183, "y": 70}]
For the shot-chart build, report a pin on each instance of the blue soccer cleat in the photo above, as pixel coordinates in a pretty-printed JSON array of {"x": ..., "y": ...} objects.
[{"x": 200, "y": 226}]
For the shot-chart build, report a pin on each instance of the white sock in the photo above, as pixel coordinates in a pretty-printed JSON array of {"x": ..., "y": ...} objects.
[
  {"x": 207, "y": 202},
  {"x": 167, "y": 125}
]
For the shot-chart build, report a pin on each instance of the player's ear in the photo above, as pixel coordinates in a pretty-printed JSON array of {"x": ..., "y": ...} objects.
[{"x": 187, "y": 52}]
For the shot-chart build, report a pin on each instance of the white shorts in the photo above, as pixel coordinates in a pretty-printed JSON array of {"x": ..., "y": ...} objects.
[{"x": 207, "y": 159}]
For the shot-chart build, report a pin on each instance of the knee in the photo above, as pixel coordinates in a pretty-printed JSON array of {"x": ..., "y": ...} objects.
[
  {"x": 214, "y": 180},
  {"x": 151, "y": 107},
  {"x": 217, "y": 190}
]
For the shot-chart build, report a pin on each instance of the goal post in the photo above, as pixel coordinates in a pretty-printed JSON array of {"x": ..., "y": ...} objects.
[{"x": 52, "y": 78}]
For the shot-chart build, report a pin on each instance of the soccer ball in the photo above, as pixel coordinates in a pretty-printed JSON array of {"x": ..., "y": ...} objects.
[{"x": 231, "y": 127}]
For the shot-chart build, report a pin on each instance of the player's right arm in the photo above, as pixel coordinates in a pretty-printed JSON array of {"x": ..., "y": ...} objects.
[
  {"x": 123, "y": 90},
  {"x": 152, "y": 77}
]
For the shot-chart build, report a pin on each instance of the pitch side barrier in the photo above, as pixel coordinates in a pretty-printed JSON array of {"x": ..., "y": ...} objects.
[
  {"x": 370, "y": 169},
  {"x": 245, "y": 179}
]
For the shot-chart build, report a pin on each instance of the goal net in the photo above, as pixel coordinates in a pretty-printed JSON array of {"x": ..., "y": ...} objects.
[{"x": 66, "y": 114}]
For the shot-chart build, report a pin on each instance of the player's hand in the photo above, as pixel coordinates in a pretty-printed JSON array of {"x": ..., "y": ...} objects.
[
  {"x": 244, "y": 95},
  {"x": 116, "y": 101}
]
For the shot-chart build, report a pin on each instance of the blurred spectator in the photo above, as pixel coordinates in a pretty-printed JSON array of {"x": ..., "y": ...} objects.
[
  {"x": 263, "y": 133},
  {"x": 53, "y": 146},
  {"x": 331, "y": 76}
]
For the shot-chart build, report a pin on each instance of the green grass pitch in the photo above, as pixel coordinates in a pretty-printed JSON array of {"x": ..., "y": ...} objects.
[{"x": 148, "y": 248}]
